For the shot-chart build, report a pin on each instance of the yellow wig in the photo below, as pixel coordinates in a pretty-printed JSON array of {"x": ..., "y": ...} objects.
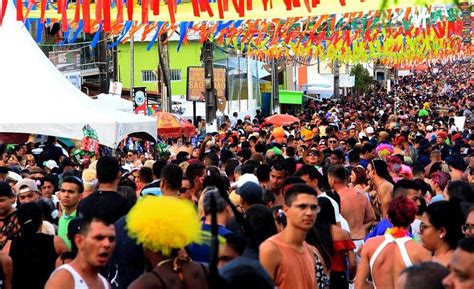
[{"x": 162, "y": 223}]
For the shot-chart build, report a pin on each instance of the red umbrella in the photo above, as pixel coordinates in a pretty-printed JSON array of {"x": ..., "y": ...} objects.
[
  {"x": 281, "y": 119},
  {"x": 172, "y": 125}
]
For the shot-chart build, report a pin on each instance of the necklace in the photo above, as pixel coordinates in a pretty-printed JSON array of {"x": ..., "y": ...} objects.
[{"x": 164, "y": 262}]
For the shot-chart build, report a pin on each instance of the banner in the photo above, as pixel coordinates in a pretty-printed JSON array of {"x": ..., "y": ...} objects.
[
  {"x": 196, "y": 85},
  {"x": 140, "y": 101}
]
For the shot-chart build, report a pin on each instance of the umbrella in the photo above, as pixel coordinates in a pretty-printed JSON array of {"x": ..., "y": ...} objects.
[
  {"x": 171, "y": 125},
  {"x": 281, "y": 119}
]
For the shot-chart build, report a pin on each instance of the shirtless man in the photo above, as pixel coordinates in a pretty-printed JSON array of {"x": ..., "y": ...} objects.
[
  {"x": 355, "y": 207},
  {"x": 382, "y": 182},
  {"x": 278, "y": 174},
  {"x": 385, "y": 257},
  {"x": 95, "y": 243}
]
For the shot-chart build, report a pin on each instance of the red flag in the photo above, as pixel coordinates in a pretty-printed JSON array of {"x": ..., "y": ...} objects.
[
  {"x": 155, "y": 6},
  {"x": 106, "y": 9},
  {"x": 196, "y": 10},
  {"x": 119, "y": 11},
  {"x": 3, "y": 8},
  {"x": 64, "y": 27},
  {"x": 86, "y": 15},
  {"x": 19, "y": 10},
  {"x": 130, "y": 9},
  {"x": 144, "y": 11}
]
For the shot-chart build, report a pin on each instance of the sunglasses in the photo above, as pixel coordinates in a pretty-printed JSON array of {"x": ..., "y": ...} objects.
[
  {"x": 332, "y": 141},
  {"x": 467, "y": 227},
  {"x": 183, "y": 190}
]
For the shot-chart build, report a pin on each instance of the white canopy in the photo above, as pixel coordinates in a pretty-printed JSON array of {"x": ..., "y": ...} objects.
[
  {"x": 38, "y": 99},
  {"x": 115, "y": 102}
]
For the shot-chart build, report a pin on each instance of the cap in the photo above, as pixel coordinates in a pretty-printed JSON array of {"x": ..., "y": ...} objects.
[
  {"x": 442, "y": 135},
  {"x": 29, "y": 183},
  {"x": 13, "y": 177},
  {"x": 245, "y": 178},
  {"x": 369, "y": 129},
  {"x": 429, "y": 128},
  {"x": 456, "y": 137},
  {"x": 313, "y": 149},
  {"x": 250, "y": 192},
  {"x": 51, "y": 164}
]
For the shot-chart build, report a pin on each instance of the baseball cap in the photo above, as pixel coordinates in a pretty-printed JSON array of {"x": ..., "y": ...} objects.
[
  {"x": 250, "y": 192},
  {"x": 51, "y": 164},
  {"x": 442, "y": 135},
  {"x": 369, "y": 130},
  {"x": 245, "y": 178},
  {"x": 29, "y": 184}
]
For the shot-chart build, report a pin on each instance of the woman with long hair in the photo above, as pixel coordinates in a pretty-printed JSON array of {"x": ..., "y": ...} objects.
[
  {"x": 358, "y": 179},
  {"x": 33, "y": 253},
  {"x": 382, "y": 185},
  {"x": 440, "y": 230},
  {"x": 337, "y": 243}
]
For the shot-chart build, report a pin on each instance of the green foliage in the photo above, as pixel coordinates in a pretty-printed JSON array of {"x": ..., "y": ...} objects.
[
  {"x": 363, "y": 79},
  {"x": 385, "y": 3}
]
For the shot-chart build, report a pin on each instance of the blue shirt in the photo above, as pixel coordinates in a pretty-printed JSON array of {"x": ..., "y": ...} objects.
[
  {"x": 437, "y": 198},
  {"x": 200, "y": 253}
]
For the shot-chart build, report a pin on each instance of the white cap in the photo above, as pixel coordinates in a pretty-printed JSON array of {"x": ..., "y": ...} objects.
[
  {"x": 51, "y": 164},
  {"x": 14, "y": 176},
  {"x": 247, "y": 178},
  {"x": 429, "y": 128},
  {"x": 369, "y": 130}
]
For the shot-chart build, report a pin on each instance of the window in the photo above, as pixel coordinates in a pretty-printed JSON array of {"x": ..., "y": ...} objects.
[
  {"x": 149, "y": 76},
  {"x": 175, "y": 74}
]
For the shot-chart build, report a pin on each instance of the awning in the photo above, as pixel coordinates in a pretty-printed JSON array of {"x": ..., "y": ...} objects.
[{"x": 291, "y": 97}]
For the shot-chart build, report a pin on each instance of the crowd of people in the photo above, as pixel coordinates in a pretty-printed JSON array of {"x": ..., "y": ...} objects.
[{"x": 371, "y": 191}]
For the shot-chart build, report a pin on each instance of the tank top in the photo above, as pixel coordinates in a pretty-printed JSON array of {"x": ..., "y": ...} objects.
[
  {"x": 296, "y": 268},
  {"x": 79, "y": 283},
  {"x": 34, "y": 259},
  {"x": 401, "y": 246}
]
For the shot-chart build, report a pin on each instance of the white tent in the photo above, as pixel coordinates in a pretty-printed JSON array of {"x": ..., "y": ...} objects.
[
  {"x": 38, "y": 99},
  {"x": 114, "y": 102}
]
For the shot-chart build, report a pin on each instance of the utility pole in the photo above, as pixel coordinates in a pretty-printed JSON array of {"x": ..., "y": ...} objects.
[
  {"x": 207, "y": 58},
  {"x": 132, "y": 66},
  {"x": 103, "y": 63},
  {"x": 336, "y": 79},
  {"x": 275, "y": 89},
  {"x": 163, "y": 56}
]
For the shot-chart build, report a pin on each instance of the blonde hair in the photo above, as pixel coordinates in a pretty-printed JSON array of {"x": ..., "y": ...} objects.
[{"x": 89, "y": 177}]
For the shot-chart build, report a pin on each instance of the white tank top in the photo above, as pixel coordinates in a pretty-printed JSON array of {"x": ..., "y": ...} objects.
[
  {"x": 79, "y": 283},
  {"x": 401, "y": 246}
]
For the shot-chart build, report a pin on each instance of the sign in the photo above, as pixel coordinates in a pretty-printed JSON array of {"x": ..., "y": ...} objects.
[
  {"x": 115, "y": 88},
  {"x": 196, "y": 85},
  {"x": 74, "y": 77},
  {"x": 66, "y": 60},
  {"x": 291, "y": 97},
  {"x": 139, "y": 100}
]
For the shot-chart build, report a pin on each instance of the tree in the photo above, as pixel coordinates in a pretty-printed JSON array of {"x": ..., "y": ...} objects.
[{"x": 363, "y": 79}]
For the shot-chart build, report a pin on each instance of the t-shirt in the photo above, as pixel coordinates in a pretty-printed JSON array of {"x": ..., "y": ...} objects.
[
  {"x": 63, "y": 225},
  {"x": 106, "y": 204},
  {"x": 200, "y": 253},
  {"x": 152, "y": 188},
  {"x": 437, "y": 198},
  {"x": 123, "y": 269}
]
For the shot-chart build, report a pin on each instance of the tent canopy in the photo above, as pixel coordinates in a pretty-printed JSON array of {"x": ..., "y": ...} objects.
[
  {"x": 38, "y": 99},
  {"x": 115, "y": 102}
]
